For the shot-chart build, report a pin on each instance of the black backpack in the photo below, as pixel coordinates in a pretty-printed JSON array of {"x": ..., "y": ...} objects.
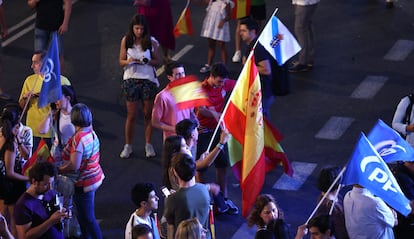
[{"x": 408, "y": 111}]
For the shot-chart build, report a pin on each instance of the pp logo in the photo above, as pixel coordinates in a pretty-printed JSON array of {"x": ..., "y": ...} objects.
[
  {"x": 388, "y": 147},
  {"x": 378, "y": 174},
  {"x": 49, "y": 71}
]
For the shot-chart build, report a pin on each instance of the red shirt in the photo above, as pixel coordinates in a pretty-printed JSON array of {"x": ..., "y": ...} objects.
[{"x": 216, "y": 96}]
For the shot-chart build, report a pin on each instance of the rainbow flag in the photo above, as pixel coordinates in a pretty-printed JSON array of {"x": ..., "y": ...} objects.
[
  {"x": 42, "y": 153},
  {"x": 246, "y": 146},
  {"x": 241, "y": 9},
  {"x": 184, "y": 24},
  {"x": 188, "y": 93}
]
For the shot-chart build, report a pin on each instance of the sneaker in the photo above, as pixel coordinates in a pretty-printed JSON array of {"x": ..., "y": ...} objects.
[
  {"x": 236, "y": 57},
  {"x": 299, "y": 68},
  {"x": 149, "y": 151},
  {"x": 220, "y": 204},
  {"x": 233, "y": 210},
  {"x": 206, "y": 68},
  {"x": 126, "y": 151}
]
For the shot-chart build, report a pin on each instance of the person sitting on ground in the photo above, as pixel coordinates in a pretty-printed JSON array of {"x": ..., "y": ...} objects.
[
  {"x": 190, "y": 229},
  {"x": 142, "y": 231},
  {"x": 268, "y": 218},
  {"x": 144, "y": 197}
]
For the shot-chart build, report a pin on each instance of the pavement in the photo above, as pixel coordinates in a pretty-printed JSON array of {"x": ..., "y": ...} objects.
[{"x": 363, "y": 66}]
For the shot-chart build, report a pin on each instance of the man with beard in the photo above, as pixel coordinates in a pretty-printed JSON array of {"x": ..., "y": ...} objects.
[{"x": 34, "y": 213}]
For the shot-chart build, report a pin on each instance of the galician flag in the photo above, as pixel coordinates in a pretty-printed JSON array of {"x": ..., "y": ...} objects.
[
  {"x": 278, "y": 41},
  {"x": 368, "y": 169},
  {"x": 184, "y": 25},
  {"x": 241, "y": 9},
  {"x": 51, "y": 90},
  {"x": 244, "y": 121},
  {"x": 188, "y": 93}
]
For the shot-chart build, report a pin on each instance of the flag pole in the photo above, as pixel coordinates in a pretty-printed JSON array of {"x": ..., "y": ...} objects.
[
  {"x": 28, "y": 99},
  {"x": 336, "y": 199},
  {"x": 325, "y": 195}
]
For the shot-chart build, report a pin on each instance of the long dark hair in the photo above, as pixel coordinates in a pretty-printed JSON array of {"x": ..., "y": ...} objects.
[
  {"x": 67, "y": 90},
  {"x": 138, "y": 19},
  {"x": 172, "y": 145},
  {"x": 9, "y": 118}
]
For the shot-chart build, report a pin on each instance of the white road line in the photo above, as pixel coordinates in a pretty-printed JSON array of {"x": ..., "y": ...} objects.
[
  {"x": 369, "y": 87},
  {"x": 25, "y": 30},
  {"x": 301, "y": 172},
  {"x": 176, "y": 57},
  {"x": 334, "y": 128},
  {"x": 400, "y": 50},
  {"x": 18, "y": 35},
  {"x": 20, "y": 24},
  {"x": 244, "y": 232}
]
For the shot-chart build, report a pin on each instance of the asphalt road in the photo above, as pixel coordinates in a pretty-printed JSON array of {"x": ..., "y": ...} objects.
[{"x": 352, "y": 37}]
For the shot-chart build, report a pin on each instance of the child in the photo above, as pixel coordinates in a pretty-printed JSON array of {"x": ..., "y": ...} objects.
[{"x": 216, "y": 29}]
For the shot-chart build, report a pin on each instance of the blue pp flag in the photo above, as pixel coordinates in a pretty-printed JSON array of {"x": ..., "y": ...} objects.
[
  {"x": 389, "y": 144},
  {"x": 278, "y": 41},
  {"x": 367, "y": 169},
  {"x": 51, "y": 87}
]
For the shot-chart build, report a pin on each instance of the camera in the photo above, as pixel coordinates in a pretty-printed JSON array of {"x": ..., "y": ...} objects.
[{"x": 144, "y": 60}]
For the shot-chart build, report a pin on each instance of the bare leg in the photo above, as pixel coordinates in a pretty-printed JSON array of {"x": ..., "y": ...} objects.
[
  {"x": 221, "y": 176},
  {"x": 147, "y": 110},
  {"x": 223, "y": 51},
  {"x": 211, "y": 51},
  {"x": 132, "y": 110}
]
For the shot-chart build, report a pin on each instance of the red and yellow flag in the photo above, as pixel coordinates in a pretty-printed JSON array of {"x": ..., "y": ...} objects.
[
  {"x": 42, "y": 153},
  {"x": 274, "y": 154},
  {"x": 241, "y": 9},
  {"x": 246, "y": 146},
  {"x": 184, "y": 24},
  {"x": 188, "y": 93}
]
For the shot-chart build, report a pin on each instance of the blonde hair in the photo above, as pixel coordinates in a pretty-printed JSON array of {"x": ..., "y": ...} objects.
[{"x": 189, "y": 229}]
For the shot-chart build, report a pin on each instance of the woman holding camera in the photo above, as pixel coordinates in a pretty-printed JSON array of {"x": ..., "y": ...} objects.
[{"x": 138, "y": 55}]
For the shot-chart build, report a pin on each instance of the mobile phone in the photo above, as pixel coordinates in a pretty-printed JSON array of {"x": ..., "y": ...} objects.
[{"x": 165, "y": 191}]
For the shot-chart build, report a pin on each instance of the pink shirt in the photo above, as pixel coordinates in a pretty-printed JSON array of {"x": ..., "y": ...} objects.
[{"x": 166, "y": 111}]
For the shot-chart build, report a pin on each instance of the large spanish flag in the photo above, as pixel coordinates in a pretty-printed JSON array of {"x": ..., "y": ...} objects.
[
  {"x": 244, "y": 121},
  {"x": 188, "y": 93},
  {"x": 184, "y": 25},
  {"x": 241, "y": 9}
]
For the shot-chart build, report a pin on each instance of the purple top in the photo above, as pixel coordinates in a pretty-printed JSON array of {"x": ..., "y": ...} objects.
[{"x": 29, "y": 209}]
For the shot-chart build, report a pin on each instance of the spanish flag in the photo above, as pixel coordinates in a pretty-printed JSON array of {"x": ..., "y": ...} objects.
[
  {"x": 42, "y": 153},
  {"x": 184, "y": 25},
  {"x": 188, "y": 93},
  {"x": 254, "y": 147},
  {"x": 241, "y": 9},
  {"x": 244, "y": 121}
]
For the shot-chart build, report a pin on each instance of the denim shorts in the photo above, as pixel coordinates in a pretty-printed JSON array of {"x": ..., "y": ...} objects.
[
  {"x": 42, "y": 39},
  {"x": 139, "y": 89}
]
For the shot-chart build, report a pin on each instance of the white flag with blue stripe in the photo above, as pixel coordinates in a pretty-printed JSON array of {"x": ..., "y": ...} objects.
[{"x": 278, "y": 41}]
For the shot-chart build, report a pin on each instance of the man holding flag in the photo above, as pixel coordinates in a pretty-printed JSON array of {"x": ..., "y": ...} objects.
[
  {"x": 44, "y": 84},
  {"x": 249, "y": 34}
]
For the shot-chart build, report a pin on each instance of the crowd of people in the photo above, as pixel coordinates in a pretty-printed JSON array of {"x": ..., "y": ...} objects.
[{"x": 30, "y": 206}]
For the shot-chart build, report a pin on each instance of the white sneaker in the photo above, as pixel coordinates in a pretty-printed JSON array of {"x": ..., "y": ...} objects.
[
  {"x": 236, "y": 57},
  {"x": 149, "y": 151},
  {"x": 126, "y": 151}
]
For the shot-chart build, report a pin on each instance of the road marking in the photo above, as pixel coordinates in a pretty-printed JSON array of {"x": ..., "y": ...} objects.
[
  {"x": 301, "y": 172},
  {"x": 245, "y": 232},
  {"x": 18, "y": 35},
  {"x": 334, "y": 128},
  {"x": 369, "y": 87},
  {"x": 176, "y": 57},
  {"x": 25, "y": 30},
  {"x": 400, "y": 50}
]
